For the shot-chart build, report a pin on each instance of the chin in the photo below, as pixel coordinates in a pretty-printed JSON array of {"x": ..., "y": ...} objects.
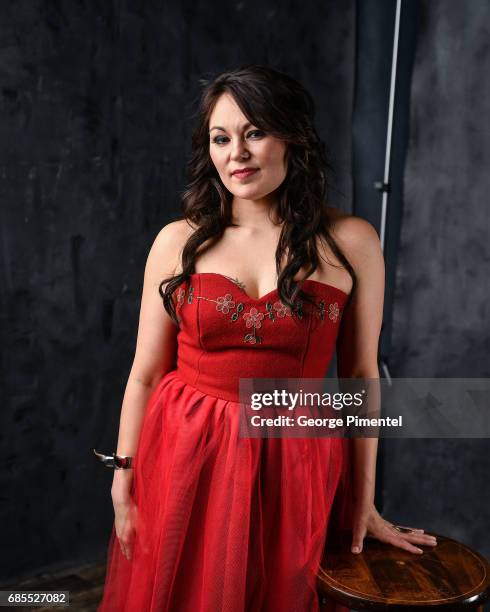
[
  {"x": 252, "y": 196},
  {"x": 248, "y": 192}
]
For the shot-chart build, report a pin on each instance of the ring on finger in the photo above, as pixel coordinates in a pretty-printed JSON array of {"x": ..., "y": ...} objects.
[{"x": 403, "y": 529}]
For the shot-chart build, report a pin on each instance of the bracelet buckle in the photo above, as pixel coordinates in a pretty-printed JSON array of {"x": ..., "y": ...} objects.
[{"x": 118, "y": 462}]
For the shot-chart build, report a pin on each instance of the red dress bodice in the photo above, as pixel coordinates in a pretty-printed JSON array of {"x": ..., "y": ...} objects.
[{"x": 242, "y": 337}]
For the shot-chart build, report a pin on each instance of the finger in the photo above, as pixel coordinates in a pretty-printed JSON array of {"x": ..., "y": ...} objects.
[
  {"x": 418, "y": 538},
  {"x": 127, "y": 545},
  {"x": 410, "y": 528},
  {"x": 407, "y": 531},
  {"x": 402, "y": 543},
  {"x": 357, "y": 539}
]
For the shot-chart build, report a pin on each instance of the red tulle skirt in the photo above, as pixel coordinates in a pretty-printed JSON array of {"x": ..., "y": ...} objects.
[{"x": 223, "y": 523}]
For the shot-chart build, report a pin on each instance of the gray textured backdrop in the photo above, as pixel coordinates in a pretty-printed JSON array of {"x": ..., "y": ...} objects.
[{"x": 441, "y": 312}]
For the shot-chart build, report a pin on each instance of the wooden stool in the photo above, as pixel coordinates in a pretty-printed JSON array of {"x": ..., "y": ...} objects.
[{"x": 449, "y": 576}]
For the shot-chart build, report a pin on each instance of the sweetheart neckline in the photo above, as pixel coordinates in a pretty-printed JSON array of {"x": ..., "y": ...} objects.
[{"x": 259, "y": 299}]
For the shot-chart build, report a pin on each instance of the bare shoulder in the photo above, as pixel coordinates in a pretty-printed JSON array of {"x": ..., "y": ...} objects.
[
  {"x": 170, "y": 240},
  {"x": 175, "y": 231},
  {"x": 355, "y": 236},
  {"x": 168, "y": 244}
]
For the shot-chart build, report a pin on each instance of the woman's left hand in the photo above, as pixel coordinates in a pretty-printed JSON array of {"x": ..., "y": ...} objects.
[{"x": 368, "y": 522}]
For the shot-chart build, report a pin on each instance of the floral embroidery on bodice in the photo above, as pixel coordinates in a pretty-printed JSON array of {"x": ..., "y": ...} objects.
[
  {"x": 253, "y": 318},
  {"x": 225, "y": 335}
]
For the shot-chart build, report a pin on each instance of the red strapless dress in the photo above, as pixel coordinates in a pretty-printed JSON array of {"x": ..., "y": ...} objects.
[{"x": 226, "y": 523}]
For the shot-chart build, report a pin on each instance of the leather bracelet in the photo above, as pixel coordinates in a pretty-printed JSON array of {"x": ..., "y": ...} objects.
[{"x": 118, "y": 462}]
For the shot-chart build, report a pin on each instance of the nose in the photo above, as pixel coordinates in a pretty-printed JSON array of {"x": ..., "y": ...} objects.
[{"x": 239, "y": 149}]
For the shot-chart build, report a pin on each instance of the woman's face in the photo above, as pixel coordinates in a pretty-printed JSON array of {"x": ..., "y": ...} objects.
[{"x": 235, "y": 144}]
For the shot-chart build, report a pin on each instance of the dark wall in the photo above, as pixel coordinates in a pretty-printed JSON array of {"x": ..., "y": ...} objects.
[
  {"x": 375, "y": 31},
  {"x": 440, "y": 316},
  {"x": 97, "y": 101},
  {"x": 374, "y": 54}
]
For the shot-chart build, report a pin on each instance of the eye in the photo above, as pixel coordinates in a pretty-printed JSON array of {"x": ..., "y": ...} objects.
[
  {"x": 218, "y": 140},
  {"x": 258, "y": 133}
]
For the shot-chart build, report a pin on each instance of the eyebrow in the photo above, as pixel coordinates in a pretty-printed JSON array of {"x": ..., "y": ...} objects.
[{"x": 217, "y": 127}]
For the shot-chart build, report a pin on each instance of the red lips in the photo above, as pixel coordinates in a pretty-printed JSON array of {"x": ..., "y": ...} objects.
[{"x": 244, "y": 171}]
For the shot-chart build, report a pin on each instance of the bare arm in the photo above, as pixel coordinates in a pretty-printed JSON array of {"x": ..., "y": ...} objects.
[
  {"x": 155, "y": 350},
  {"x": 357, "y": 346},
  {"x": 357, "y": 352}
]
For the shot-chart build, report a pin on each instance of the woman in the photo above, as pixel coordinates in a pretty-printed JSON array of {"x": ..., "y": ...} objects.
[{"x": 205, "y": 519}]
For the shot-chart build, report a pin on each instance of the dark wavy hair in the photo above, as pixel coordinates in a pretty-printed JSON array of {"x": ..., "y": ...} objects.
[{"x": 279, "y": 105}]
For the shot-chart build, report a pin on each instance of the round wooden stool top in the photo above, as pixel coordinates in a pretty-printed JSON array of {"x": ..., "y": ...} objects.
[{"x": 448, "y": 576}]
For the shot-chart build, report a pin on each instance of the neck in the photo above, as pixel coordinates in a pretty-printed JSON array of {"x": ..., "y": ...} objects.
[{"x": 254, "y": 214}]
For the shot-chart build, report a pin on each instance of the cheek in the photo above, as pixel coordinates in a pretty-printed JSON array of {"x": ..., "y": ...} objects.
[{"x": 276, "y": 160}]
